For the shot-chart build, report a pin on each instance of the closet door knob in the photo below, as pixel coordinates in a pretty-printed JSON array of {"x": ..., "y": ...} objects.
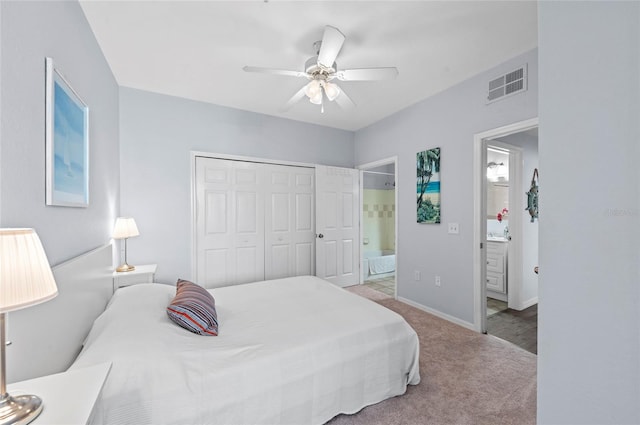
[{"x": 321, "y": 236}]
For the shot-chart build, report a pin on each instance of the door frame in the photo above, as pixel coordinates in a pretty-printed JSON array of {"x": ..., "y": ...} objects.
[
  {"x": 384, "y": 161},
  {"x": 192, "y": 159},
  {"x": 480, "y": 220},
  {"x": 514, "y": 263}
]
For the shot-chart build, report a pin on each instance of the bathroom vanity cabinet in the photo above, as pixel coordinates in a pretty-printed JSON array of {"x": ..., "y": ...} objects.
[{"x": 497, "y": 269}]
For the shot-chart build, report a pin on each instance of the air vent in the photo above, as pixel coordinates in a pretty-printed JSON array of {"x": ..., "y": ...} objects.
[{"x": 508, "y": 84}]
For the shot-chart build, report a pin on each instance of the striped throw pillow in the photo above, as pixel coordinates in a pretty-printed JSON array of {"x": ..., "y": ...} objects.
[{"x": 194, "y": 309}]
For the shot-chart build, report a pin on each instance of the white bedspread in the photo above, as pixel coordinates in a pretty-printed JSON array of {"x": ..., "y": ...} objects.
[
  {"x": 297, "y": 350},
  {"x": 384, "y": 264}
]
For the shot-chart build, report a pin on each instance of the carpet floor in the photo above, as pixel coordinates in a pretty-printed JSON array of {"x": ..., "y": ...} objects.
[{"x": 466, "y": 377}]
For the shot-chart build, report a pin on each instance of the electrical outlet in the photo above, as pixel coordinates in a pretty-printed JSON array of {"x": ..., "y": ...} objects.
[
  {"x": 416, "y": 275},
  {"x": 437, "y": 280},
  {"x": 453, "y": 228}
]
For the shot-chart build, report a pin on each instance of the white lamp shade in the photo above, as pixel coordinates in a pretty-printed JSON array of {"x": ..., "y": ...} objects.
[
  {"x": 125, "y": 228},
  {"x": 26, "y": 278},
  {"x": 317, "y": 98},
  {"x": 312, "y": 89},
  {"x": 331, "y": 90}
]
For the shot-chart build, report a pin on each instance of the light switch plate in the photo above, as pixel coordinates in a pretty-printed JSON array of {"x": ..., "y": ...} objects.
[{"x": 453, "y": 228}]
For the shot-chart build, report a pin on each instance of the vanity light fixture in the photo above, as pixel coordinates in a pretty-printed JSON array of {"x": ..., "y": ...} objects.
[{"x": 496, "y": 171}]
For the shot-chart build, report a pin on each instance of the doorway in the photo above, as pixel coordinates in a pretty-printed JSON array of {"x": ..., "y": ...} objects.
[
  {"x": 379, "y": 224},
  {"x": 506, "y": 251},
  {"x": 497, "y": 190}
]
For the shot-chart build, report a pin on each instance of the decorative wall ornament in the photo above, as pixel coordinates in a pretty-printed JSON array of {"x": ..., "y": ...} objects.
[
  {"x": 428, "y": 186},
  {"x": 67, "y": 142},
  {"x": 532, "y": 197}
]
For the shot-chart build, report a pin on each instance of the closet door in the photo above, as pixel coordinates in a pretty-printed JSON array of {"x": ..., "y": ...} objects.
[
  {"x": 229, "y": 222},
  {"x": 289, "y": 221}
]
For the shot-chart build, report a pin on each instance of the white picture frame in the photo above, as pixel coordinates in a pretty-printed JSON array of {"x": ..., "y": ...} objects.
[{"x": 67, "y": 142}]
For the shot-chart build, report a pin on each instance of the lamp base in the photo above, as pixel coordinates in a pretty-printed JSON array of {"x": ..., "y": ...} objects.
[
  {"x": 125, "y": 268},
  {"x": 19, "y": 410}
]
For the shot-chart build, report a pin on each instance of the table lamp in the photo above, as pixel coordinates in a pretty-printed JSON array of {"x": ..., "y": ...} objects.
[
  {"x": 25, "y": 280},
  {"x": 125, "y": 228}
]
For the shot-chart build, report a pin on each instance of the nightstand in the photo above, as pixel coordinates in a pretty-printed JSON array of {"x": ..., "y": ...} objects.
[
  {"x": 68, "y": 397},
  {"x": 142, "y": 274}
]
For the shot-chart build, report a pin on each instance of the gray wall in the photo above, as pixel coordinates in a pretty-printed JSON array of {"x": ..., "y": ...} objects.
[
  {"x": 589, "y": 323},
  {"x": 158, "y": 133},
  {"x": 447, "y": 120},
  {"x": 31, "y": 31}
]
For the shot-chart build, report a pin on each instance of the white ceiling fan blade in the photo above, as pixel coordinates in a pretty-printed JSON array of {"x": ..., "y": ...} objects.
[
  {"x": 345, "y": 101},
  {"x": 294, "y": 99},
  {"x": 332, "y": 41},
  {"x": 274, "y": 71},
  {"x": 367, "y": 74}
]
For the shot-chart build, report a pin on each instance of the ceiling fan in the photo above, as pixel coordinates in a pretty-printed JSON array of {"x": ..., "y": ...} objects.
[{"x": 321, "y": 70}]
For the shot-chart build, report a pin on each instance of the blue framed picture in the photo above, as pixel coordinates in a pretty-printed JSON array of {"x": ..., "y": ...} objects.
[
  {"x": 67, "y": 142},
  {"x": 428, "y": 186}
]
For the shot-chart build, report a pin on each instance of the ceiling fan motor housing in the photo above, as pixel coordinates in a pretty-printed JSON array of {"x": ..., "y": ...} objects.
[{"x": 316, "y": 71}]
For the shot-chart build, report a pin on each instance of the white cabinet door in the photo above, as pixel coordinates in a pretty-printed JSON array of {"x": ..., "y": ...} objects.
[
  {"x": 229, "y": 222},
  {"x": 337, "y": 218},
  {"x": 289, "y": 221}
]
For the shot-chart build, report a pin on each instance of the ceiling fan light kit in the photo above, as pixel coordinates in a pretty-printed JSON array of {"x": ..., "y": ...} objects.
[
  {"x": 312, "y": 89},
  {"x": 322, "y": 69},
  {"x": 331, "y": 90}
]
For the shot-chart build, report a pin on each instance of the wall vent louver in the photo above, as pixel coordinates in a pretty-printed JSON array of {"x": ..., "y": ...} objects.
[{"x": 508, "y": 84}]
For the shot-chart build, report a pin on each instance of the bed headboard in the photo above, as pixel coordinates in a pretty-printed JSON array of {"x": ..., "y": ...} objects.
[{"x": 47, "y": 338}]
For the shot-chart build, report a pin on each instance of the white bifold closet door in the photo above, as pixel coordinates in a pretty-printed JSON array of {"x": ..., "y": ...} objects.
[
  {"x": 254, "y": 221},
  {"x": 289, "y": 221}
]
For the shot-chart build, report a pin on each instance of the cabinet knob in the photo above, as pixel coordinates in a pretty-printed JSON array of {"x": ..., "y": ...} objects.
[{"x": 321, "y": 236}]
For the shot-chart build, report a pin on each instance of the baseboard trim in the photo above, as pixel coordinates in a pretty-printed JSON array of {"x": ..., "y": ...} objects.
[
  {"x": 529, "y": 303},
  {"x": 497, "y": 295},
  {"x": 439, "y": 314}
]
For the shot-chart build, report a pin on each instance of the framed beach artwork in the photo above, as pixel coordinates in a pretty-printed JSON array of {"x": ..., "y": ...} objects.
[
  {"x": 428, "y": 186},
  {"x": 67, "y": 142}
]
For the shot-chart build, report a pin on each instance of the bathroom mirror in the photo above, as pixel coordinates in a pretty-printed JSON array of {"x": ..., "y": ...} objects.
[{"x": 497, "y": 198}]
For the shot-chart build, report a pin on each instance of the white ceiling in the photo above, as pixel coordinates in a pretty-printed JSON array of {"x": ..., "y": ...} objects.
[{"x": 196, "y": 49}]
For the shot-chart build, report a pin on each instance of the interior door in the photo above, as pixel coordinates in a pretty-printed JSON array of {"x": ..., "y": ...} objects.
[
  {"x": 229, "y": 222},
  {"x": 289, "y": 221},
  {"x": 337, "y": 225}
]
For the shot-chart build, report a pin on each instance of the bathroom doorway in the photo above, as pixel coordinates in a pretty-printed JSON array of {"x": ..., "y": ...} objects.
[
  {"x": 506, "y": 255},
  {"x": 512, "y": 289},
  {"x": 497, "y": 190},
  {"x": 378, "y": 229}
]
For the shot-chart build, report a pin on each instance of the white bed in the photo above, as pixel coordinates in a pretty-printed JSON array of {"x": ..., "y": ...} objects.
[{"x": 289, "y": 351}]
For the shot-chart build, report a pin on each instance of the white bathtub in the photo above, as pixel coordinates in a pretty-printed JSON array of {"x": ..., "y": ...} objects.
[{"x": 378, "y": 263}]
